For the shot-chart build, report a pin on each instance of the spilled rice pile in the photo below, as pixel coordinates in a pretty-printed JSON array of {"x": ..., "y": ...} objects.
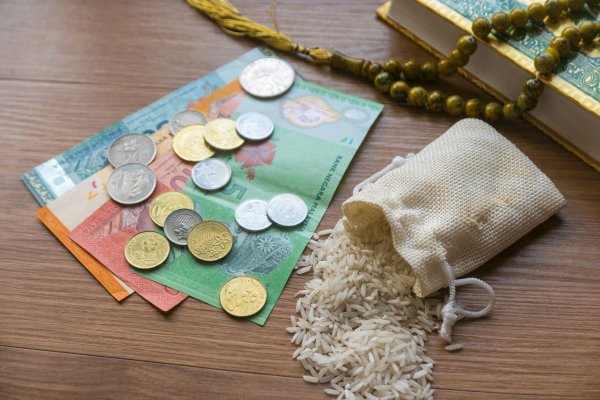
[{"x": 361, "y": 329}]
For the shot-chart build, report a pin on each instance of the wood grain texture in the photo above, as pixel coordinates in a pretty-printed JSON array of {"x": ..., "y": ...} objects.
[{"x": 69, "y": 68}]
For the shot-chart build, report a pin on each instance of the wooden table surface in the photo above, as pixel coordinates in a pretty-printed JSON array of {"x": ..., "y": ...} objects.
[{"x": 69, "y": 68}]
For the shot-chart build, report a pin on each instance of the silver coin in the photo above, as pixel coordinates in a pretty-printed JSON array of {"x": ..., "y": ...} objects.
[
  {"x": 251, "y": 215},
  {"x": 179, "y": 223},
  {"x": 186, "y": 118},
  {"x": 287, "y": 209},
  {"x": 131, "y": 148},
  {"x": 254, "y": 126},
  {"x": 131, "y": 183},
  {"x": 267, "y": 77},
  {"x": 211, "y": 174}
]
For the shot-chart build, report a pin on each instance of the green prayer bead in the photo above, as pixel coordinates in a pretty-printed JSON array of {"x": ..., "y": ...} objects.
[
  {"x": 576, "y": 5},
  {"x": 537, "y": 13},
  {"x": 474, "y": 108},
  {"x": 561, "y": 45},
  {"x": 446, "y": 67},
  {"x": 481, "y": 27},
  {"x": 373, "y": 70},
  {"x": 399, "y": 91},
  {"x": 393, "y": 67},
  {"x": 501, "y": 21},
  {"x": 554, "y": 53},
  {"x": 429, "y": 71},
  {"x": 519, "y": 17},
  {"x": 384, "y": 81},
  {"x": 467, "y": 45},
  {"x": 588, "y": 31},
  {"x": 417, "y": 96},
  {"x": 458, "y": 58},
  {"x": 554, "y": 8},
  {"x": 544, "y": 62},
  {"x": 533, "y": 88},
  {"x": 436, "y": 101},
  {"x": 493, "y": 112},
  {"x": 455, "y": 105},
  {"x": 526, "y": 103},
  {"x": 512, "y": 111},
  {"x": 411, "y": 69}
]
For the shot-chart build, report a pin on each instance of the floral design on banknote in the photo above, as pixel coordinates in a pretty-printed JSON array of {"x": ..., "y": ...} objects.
[
  {"x": 255, "y": 155},
  {"x": 255, "y": 253},
  {"x": 309, "y": 111}
]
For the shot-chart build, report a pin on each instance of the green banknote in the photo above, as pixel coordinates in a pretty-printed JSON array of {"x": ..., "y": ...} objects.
[{"x": 317, "y": 132}]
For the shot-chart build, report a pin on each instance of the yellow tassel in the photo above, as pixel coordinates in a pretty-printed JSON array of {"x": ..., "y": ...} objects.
[{"x": 234, "y": 23}]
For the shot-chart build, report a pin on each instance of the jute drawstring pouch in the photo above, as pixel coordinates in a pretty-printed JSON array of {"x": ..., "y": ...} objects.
[{"x": 460, "y": 201}]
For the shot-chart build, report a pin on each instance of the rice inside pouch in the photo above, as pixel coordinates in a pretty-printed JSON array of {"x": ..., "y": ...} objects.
[{"x": 463, "y": 199}]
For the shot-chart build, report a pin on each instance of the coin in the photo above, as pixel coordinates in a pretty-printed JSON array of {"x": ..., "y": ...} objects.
[
  {"x": 211, "y": 174},
  {"x": 166, "y": 203},
  {"x": 131, "y": 183},
  {"x": 243, "y": 296},
  {"x": 210, "y": 240},
  {"x": 267, "y": 77},
  {"x": 251, "y": 215},
  {"x": 189, "y": 144},
  {"x": 131, "y": 148},
  {"x": 287, "y": 209},
  {"x": 179, "y": 224},
  {"x": 147, "y": 250},
  {"x": 221, "y": 134},
  {"x": 254, "y": 126},
  {"x": 186, "y": 118}
]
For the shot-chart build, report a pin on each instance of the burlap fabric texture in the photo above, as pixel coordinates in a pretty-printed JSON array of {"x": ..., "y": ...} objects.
[{"x": 456, "y": 204}]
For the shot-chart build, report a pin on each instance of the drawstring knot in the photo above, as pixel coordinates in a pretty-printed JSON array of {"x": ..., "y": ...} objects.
[{"x": 451, "y": 312}]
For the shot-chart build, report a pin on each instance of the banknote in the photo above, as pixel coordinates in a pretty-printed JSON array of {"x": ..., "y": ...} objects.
[
  {"x": 317, "y": 132},
  {"x": 72, "y": 208},
  {"x": 106, "y": 231},
  {"x": 58, "y": 175}
]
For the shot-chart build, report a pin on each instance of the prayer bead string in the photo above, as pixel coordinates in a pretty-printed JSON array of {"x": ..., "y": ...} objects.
[{"x": 387, "y": 77}]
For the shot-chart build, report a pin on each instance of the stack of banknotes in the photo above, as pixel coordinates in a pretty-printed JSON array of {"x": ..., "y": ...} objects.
[{"x": 317, "y": 132}]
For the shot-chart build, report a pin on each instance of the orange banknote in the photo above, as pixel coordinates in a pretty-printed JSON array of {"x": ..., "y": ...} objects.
[{"x": 72, "y": 208}]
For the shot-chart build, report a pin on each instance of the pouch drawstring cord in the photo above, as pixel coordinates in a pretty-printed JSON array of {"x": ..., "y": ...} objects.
[{"x": 450, "y": 312}]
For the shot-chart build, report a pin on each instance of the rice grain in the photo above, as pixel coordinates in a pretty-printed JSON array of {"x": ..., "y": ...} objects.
[{"x": 360, "y": 327}]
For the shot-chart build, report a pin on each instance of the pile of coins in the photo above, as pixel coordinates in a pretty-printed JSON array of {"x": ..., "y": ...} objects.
[{"x": 196, "y": 139}]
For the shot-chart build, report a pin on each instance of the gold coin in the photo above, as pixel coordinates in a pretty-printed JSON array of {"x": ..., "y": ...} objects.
[
  {"x": 166, "y": 203},
  {"x": 243, "y": 296},
  {"x": 189, "y": 144},
  {"x": 221, "y": 134},
  {"x": 147, "y": 250},
  {"x": 210, "y": 240}
]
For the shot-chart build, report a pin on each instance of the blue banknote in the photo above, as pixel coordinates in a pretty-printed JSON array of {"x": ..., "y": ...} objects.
[{"x": 56, "y": 176}]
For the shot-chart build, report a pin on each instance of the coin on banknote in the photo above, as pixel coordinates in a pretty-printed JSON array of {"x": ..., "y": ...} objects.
[
  {"x": 131, "y": 183},
  {"x": 210, "y": 240},
  {"x": 254, "y": 126},
  {"x": 189, "y": 144},
  {"x": 267, "y": 77},
  {"x": 179, "y": 224},
  {"x": 243, "y": 296},
  {"x": 211, "y": 174},
  {"x": 287, "y": 209},
  {"x": 221, "y": 134},
  {"x": 186, "y": 118},
  {"x": 166, "y": 203},
  {"x": 147, "y": 250},
  {"x": 131, "y": 148},
  {"x": 251, "y": 215}
]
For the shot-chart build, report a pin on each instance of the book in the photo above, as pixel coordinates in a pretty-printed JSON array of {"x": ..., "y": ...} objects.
[{"x": 568, "y": 110}]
